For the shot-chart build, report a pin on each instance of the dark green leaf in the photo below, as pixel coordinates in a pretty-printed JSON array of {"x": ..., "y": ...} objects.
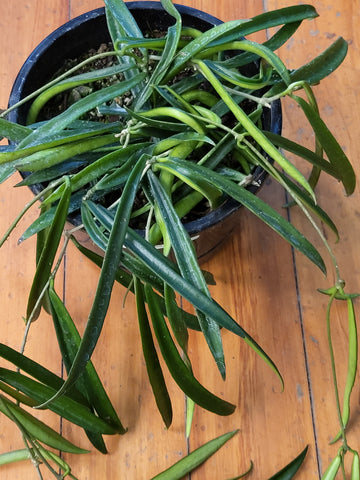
[
  {"x": 59, "y": 138},
  {"x": 89, "y": 383},
  {"x": 107, "y": 277},
  {"x": 303, "y": 152},
  {"x": 45, "y": 263},
  {"x": 121, "y": 23},
  {"x": 165, "y": 269},
  {"x": 70, "y": 83},
  {"x": 153, "y": 366},
  {"x": 335, "y": 153},
  {"x": 236, "y": 29},
  {"x": 125, "y": 279},
  {"x": 188, "y": 264},
  {"x": 176, "y": 320},
  {"x": 288, "y": 472},
  {"x": 318, "y": 68},
  {"x": 37, "y": 371},
  {"x": 178, "y": 369},
  {"x": 37, "y": 428},
  {"x": 172, "y": 40},
  {"x": 65, "y": 406},
  {"x": 306, "y": 200},
  {"x": 53, "y": 156}
]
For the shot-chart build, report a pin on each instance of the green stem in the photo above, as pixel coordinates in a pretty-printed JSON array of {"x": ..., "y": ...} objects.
[
  {"x": 55, "y": 81},
  {"x": 26, "y": 208},
  {"x": 67, "y": 235},
  {"x": 272, "y": 170},
  {"x": 333, "y": 369}
]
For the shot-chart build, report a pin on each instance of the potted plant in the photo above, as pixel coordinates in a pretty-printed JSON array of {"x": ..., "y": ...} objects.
[{"x": 178, "y": 124}]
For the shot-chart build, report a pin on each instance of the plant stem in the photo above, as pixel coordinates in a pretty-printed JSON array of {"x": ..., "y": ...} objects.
[
  {"x": 333, "y": 369},
  {"x": 25, "y": 209},
  {"x": 56, "y": 80}
]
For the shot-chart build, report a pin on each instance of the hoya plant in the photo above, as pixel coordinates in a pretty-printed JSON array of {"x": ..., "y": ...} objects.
[{"x": 175, "y": 127}]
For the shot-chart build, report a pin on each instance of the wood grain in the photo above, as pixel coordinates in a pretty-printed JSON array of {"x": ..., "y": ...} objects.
[{"x": 271, "y": 291}]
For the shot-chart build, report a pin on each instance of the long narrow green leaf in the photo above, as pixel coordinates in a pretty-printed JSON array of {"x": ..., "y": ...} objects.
[
  {"x": 37, "y": 451},
  {"x": 69, "y": 83},
  {"x": 273, "y": 18},
  {"x": 96, "y": 234},
  {"x": 236, "y": 78},
  {"x": 66, "y": 407},
  {"x": 37, "y": 428},
  {"x": 279, "y": 38},
  {"x": 121, "y": 23},
  {"x": 64, "y": 137},
  {"x": 177, "y": 321},
  {"x": 153, "y": 366},
  {"x": 107, "y": 278},
  {"x": 178, "y": 369},
  {"x": 186, "y": 259},
  {"x": 43, "y": 221},
  {"x": 200, "y": 43},
  {"x": 18, "y": 396},
  {"x": 37, "y": 371},
  {"x": 6, "y": 171},
  {"x": 288, "y": 472},
  {"x": 199, "y": 184},
  {"x": 258, "y": 207},
  {"x": 53, "y": 156},
  {"x": 89, "y": 383},
  {"x": 194, "y": 459},
  {"x": 303, "y": 152},
  {"x": 124, "y": 24},
  {"x": 45, "y": 263},
  {"x": 306, "y": 200},
  {"x": 100, "y": 167},
  {"x": 57, "y": 171},
  {"x": 335, "y": 153},
  {"x": 262, "y": 52},
  {"x": 318, "y": 68}
]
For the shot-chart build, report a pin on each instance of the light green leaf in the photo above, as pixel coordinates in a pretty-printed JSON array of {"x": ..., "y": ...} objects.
[{"x": 194, "y": 459}]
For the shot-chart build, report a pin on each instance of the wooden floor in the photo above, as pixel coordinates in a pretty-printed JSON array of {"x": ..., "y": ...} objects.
[{"x": 259, "y": 280}]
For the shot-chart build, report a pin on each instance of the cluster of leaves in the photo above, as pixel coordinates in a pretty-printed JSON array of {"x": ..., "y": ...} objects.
[{"x": 194, "y": 133}]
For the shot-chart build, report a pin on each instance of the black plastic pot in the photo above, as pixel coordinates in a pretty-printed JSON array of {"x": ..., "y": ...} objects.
[{"x": 89, "y": 31}]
